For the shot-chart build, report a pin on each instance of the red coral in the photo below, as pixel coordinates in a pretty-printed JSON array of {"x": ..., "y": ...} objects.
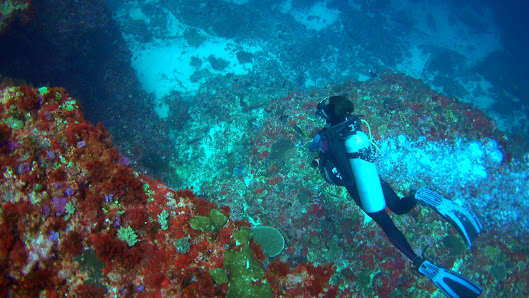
[
  {"x": 58, "y": 175},
  {"x": 134, "y": 194},
  {"x": 107, "y": 248},
  {"x": 104, "y": 135},
  {"x": 113, "y": 251},
  {"x": 32, "y": 284},
  {"x": 5, "y": 134},
  {"x": 76, "y": 132},
  {"x": 185, "y": 193},
  {"x": 111, "y": 155},
  {"x": 202, "y": 206},
  {"x": 225, "y": 210},
  {"x": 55, "y": 93},
  {"x": 276, "y": 275},
  {"x": 72, "y": 244},
  {"x": 113, "y": 178},
  {"x": 275, "y": 180},
  {"x": 154, "y": 279},
  {"x": 317, "y": 210},
  {"x": 257, "y": 251},
  {"x": 136, "y": 218},
  {"x": 179, "y": 220},
  {"x": 90, "y": 204},
  {"x": 90, "y": 290},
  {"x": 43, "y": 124},
  {"x": 56, "y": 145},
  {"x": 7, "y": 240},
  {"x": 182, "y": 261},
  {"x": 240, "y": 223},
  {"x": 279, "y": 269},
  {"x": 382, "y": 284},
  {"x": 50, "y": 107},
  {"x": 30, "y": 101},
  {"x": 321, "y": 276},
  {"x": 18, "y": 254},
  {"x": 15, "y": 214},
  {"x": 121, "y": 176},
  {"x": 97, "y": 169},
  {"x": 198, "y": 283},
  {"x": 225, "y": 235}
]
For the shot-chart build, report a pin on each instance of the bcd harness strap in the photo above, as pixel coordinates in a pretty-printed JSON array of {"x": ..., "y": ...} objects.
[{"x": 367, "y": 154}]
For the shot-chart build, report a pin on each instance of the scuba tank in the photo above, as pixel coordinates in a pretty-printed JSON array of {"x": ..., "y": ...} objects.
[{"x": 359, "y": 152}]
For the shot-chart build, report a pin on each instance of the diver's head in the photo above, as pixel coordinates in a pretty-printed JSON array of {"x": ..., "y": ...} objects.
[{"x": 335, "y": 109}]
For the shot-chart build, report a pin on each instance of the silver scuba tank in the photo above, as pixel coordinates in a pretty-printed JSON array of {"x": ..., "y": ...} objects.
[{"x": 365, "y": 173}]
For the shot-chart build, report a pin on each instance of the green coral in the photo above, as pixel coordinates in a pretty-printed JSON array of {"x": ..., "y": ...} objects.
[
  {"x": 219, "y": 275},
  {"x": 209, "y": 224},
  {"x": 243, "y": 235},
  {"x": 492, "y": 251},
  {"x": 270, "y": 239},
  {"x": 450, "y": 115},
  {"x": 92, "y": 266},
  {"x": 364, "y": 281},
  {"x": 246, "y": 273},
  {"x": 499, "y": 272},
  {"x": 334, "y": 250},
  {"x": 456, "y": 246},
  {"x": 148, "y": 192},
  {"x": 202, "y": 223},
  {"x": 128, "y": 235},
  {"x": 163, "y": 220},
  {"x": 43, "y": 90},
  {"x": 14, "y": 123},
  {"x": 183, "y": 245},
  {"x": 69, "y": 105},
  {"x": 70, "y": 209},
  {"x": 217, "y": 218}
]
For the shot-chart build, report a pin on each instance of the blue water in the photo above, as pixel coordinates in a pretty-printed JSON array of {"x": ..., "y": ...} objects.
[{"x": 473, "y": 51}]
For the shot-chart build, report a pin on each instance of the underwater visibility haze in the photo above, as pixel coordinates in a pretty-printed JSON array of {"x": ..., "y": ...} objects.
[{"x": 158, "y": 148}]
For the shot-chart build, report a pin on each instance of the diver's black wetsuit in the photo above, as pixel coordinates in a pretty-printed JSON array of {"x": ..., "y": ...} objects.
[
  {"x": 396, "y": 205},
  {"x": 336, "y": 170}
]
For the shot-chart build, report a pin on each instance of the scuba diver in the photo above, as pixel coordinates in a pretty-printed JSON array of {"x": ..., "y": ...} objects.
[{"x": 346, "y": 158}]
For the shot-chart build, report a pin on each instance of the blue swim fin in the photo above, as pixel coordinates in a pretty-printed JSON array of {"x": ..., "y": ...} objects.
[
  {"x": 464, "y": 220},
  {"x": 451, "y": 283}
]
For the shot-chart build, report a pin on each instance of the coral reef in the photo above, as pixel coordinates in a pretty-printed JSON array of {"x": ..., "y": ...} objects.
[
  {"x": 261, "y": 169},
  {"x": 76, "y": 219}
]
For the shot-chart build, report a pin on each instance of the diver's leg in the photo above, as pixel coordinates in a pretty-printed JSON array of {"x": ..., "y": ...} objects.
[
  {"x": 353, "y": 192},
  {"x": 393, "y": 233},
  {"x": 397, "y": 205}
]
